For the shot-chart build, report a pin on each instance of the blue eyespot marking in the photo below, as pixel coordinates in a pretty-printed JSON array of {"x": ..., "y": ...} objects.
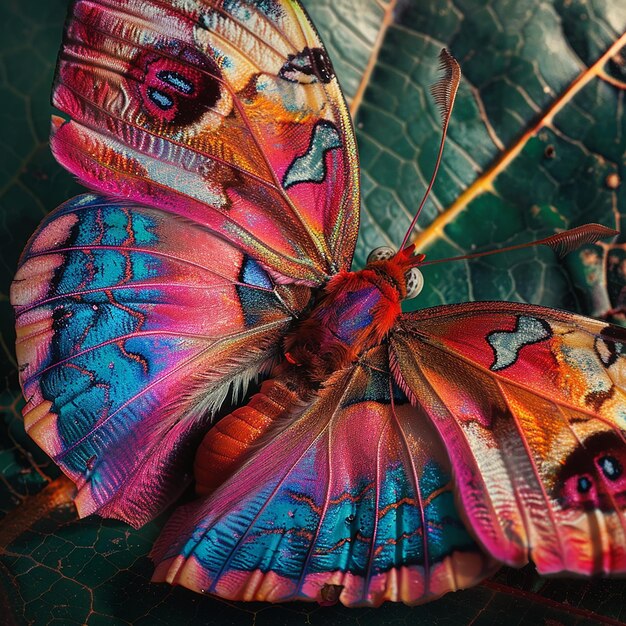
[
  {"x": 610, "y": 467},
  {"x": 160, "y": 99},
  {"x": 176, "y": 80},
  {"x": 253, "y": 274}
]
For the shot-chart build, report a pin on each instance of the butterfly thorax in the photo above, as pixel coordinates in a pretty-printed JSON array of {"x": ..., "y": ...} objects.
[{"x": 355, "y": 313}]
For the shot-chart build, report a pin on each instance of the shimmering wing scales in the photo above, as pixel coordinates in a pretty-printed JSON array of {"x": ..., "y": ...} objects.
[
  {"x": 350, "y": 497},
  {"x": 227, "y": 112},
  {"x": 531, "y": 406},
  {"x": 132, "y": 324}
]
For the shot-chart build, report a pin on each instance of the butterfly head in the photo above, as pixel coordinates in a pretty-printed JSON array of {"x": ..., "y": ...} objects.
[{"x": 400, "y": 267}]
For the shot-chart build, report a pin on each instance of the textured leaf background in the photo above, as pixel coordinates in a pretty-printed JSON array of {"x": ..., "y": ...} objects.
[{"x": 537, "y": 143}]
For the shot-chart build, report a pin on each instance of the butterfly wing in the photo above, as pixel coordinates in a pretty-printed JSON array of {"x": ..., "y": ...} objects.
[
  {"x": 349, "y": 498},
  {"x": 132, "y": 324},
  {"x": 530, "y": 404},
  {"x": 225, "y": 112},
  {"x": 226, "y": 117}
]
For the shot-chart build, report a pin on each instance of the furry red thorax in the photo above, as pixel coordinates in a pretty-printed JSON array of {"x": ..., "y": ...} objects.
[{"x": 355, "y": 313}]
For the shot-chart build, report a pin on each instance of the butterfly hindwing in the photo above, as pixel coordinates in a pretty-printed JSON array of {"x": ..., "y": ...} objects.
[
  {"x": 349, "y": 497},
  {"x": 132, "y": 324},
  {"x": 227, "y": 112},
  {"x": 530, "y": 404}
]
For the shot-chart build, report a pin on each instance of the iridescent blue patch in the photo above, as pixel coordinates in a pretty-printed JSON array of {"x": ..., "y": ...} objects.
[
  {"x": 311, "y": 166},
  {"x": 160, "y": 98},
  {"x": 295, "y": 527},
  {"x": 100, "y": 360},
  {"x": 274, "y": 532},
  {"x": 253, "y": 274},
  {"x": 259, "y": 298},
  {"x": 176, "y": 80},
  {"x": 354, "y": 312}
]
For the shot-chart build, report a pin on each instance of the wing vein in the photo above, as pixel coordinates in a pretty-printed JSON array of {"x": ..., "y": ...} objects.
[
  {"x": 498, "y": 377},
  {"x": 418, "y": 492},
  {"x": 329, "y": 470},
  {"x": 151, "y": 333},
  {"x": 236, "y": 226},
  {"x": 172, "y": 285},
  {"x": 318, "y": 243},
  {"x": 535, "y": 471},
  {"x": 370, "y": 561},
  {"x": 457, "y": 427},
  {"x": 275, "y": 490}
]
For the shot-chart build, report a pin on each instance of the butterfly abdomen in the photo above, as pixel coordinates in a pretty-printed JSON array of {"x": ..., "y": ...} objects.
[{"x": 227, "y": 445}]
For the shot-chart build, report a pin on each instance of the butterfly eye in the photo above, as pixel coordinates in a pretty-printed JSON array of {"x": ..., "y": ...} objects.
[
  {"x": 380, "y": 254},
  {"x": 414, "y": 282}
]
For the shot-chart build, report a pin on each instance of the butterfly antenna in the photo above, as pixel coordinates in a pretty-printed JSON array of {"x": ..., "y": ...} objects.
[
  {"x": 562, "y": 243},
  {"x": 444, "y": 93}
]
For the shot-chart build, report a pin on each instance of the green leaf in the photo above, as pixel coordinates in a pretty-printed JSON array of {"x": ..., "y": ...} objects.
[{"x": 536, "y": 135}]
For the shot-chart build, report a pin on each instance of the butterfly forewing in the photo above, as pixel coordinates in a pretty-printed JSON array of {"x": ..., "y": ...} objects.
[
  {"x": 225, "y": 112},
  {"x": 134, "y": 322},
  {"x": 530, "y": 404}
]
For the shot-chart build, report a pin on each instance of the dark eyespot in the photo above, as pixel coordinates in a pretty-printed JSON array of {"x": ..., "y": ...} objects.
[
  {"x": 175, "y": 83},
  {"x": 610, "y": 467},
  {"x": 592, "y": 476},
  {"x": 321, "y": 64},
  {"x": 349, "y": 520},
  {"x": 307, "y": 66}
]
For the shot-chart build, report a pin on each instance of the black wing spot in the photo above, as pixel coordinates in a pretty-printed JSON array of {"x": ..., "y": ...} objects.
[
  {"x": 592, "y": 476},
  {"x": 322, "y": 66},
  {"x": 610, "y": 345},
  {"x": 308, "y": 66}
]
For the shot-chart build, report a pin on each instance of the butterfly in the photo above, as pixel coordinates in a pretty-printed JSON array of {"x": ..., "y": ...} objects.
[{"x": 387, "y": 455}]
